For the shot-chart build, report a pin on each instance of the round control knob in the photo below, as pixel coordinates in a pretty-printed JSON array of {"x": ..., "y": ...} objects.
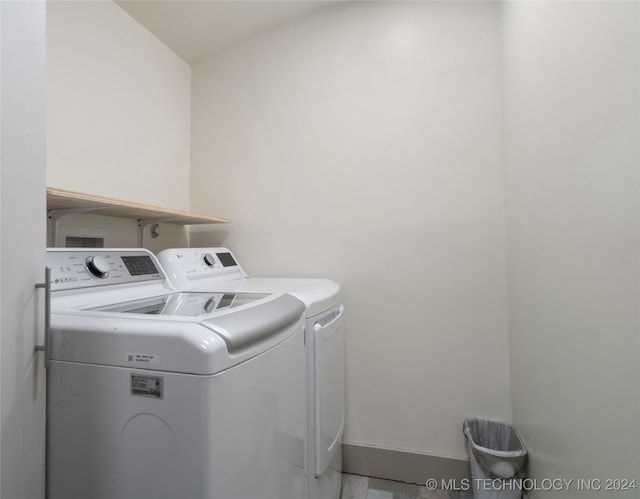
[
  {"x": 98, "y": 266},
  {"x": 209, "y": 260}
]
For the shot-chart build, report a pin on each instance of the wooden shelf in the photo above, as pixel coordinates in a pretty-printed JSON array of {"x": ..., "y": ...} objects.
[{"x": 61, "y": 199}]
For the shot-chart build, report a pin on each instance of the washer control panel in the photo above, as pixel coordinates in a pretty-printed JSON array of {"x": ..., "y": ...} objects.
[{"x": 78, "y": 268}]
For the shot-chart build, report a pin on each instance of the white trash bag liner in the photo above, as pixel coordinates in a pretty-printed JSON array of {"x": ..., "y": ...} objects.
[{"x": 497, "y": 448}]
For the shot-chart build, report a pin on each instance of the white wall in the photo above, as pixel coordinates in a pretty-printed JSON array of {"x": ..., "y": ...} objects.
[
  {"x": 363, "y": 144},
  {"x": 571, "y": 152},
  {"x": 118, "y": 107},
  {"x": 22, "y": 234}
]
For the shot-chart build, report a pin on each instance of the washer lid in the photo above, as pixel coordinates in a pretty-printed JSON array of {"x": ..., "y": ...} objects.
[
  {"x": 150, "y": 334},
  {"x": 184, "y": 304},
  {"x": 240, "y": 330}
]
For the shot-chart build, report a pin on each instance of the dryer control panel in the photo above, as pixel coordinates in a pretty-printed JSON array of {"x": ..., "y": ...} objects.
[
  {"x": 194, "y": 263},
  {"x": 71, "y": 269}
]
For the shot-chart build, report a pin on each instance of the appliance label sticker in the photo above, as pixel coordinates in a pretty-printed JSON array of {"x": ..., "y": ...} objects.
[
  {"x": 147, "y": 358},
  {"x": 147, "y": 386}
]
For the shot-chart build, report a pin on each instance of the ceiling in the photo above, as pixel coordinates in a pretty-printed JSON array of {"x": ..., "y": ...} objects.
[{"x": 198, "y": 29}]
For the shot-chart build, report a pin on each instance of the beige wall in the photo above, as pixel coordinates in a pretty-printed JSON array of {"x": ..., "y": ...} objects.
[
  {"x": 363, "y": 144},
  {"x": 118, "y": 107},
  {"x": 118, "y": 117},
  {"x": 571, "y": 153},
  {"x": 366, "y": 143}
]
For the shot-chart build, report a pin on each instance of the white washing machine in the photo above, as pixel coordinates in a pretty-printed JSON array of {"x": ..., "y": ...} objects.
[
  {"x": 158, "y": 394},
  {"x": 217, "y": 268}
]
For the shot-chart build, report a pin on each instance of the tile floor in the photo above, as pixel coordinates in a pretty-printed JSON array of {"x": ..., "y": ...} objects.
[{"x": 364, "y": 487}]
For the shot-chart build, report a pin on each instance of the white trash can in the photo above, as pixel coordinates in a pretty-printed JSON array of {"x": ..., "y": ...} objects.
[{"x": 498, "y": 459}]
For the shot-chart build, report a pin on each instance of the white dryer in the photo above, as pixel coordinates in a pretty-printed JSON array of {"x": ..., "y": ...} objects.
[
  {"x": 217, "y": 268},
  {"x": 158, "y": 394}
]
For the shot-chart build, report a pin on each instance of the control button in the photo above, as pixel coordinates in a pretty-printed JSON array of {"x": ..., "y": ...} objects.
[
  {"x": 98, "y": 266},
  {"x": 209, "y": 259}
]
